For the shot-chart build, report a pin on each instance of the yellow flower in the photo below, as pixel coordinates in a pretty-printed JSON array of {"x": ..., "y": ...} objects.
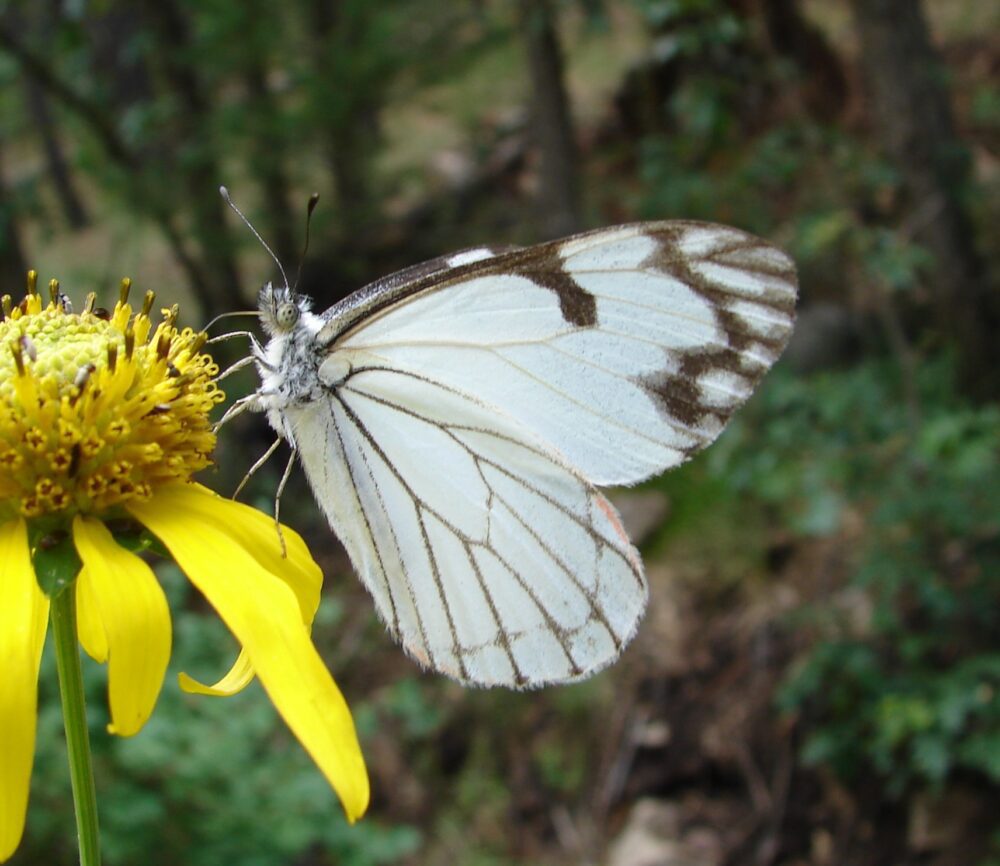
[{"x": 103, "y": 420}]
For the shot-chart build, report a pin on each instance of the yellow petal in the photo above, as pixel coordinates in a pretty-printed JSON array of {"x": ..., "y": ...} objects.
[
  {"x": 88, "y": 620},
  {"x": 240, "y": 675},
  {"x": 24, "y": 611},
  {"x": 265, "y": 616},
  {"x": 255, "y": 532},
  {"x": 133, "y": 610}
]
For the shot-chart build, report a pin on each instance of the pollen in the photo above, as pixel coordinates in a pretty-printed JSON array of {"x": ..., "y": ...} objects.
[{"x": 96, "y": 410}]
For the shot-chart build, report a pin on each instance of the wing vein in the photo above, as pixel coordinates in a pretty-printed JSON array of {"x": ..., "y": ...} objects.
[
  {"x": 479, "y": 458},
  {"x": 439, "y": 584},
  {"x": 399, "y": 551},
  {"x": 364, "y": 515},
  {"x": 595, "y": 611},
  {"x": 504, "y": 640},
  {"x": 553, "y": 626}
]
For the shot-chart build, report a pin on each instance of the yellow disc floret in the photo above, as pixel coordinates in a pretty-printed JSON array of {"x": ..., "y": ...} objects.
[{"x": 97, "y": 408}]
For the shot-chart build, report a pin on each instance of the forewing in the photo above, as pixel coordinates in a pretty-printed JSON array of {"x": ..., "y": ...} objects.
[
  {"x": 624, "y": 350},
  {"x": 488, "y": 557}
]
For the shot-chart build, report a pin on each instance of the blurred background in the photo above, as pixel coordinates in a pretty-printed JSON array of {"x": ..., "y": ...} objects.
[{"x": 817, "y": 680}]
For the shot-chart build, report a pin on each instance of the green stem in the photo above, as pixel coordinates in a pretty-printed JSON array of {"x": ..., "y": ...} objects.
[{"x": 62, "y": 612}]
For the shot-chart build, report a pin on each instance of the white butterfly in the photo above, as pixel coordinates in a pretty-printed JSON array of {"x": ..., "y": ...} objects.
[{"x": 455, "y": 420}]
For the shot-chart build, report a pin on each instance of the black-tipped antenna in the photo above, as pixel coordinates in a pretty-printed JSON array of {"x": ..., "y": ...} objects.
[
  {"x": 225, "y": 194},
  {"x": 313, "y": 199}
]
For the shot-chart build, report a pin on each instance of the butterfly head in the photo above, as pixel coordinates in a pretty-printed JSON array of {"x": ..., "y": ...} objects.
[{"x": 280, "y": 308}]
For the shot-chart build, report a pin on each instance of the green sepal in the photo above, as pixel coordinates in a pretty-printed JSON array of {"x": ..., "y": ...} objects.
[
  {"x": 54, "y": 558},
  {"x": 136, "y": 538}
]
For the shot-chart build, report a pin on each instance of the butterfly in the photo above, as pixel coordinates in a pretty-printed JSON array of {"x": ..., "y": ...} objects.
[{"x": 456, "y": 419}]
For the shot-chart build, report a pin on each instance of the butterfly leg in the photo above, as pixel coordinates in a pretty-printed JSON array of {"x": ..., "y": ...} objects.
[
  {"x": 256, "y": 349},
  {"x": 221, "y": 338},
  {"x": 260, "y": 462},
  {"x": 250, "y": 403},
  {"x": 277, "y": 498},
  {"x": 232, "y": 368}
]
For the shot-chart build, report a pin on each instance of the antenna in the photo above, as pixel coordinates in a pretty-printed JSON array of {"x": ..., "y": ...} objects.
[
  {"x": 313, "y": 199},
  {"x": 225, "y": 194},
  {"x": 229, "y": 315}
]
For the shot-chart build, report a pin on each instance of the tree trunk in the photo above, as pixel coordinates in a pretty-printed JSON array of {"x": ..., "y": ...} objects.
[
  {"x": 912, "y": 115},
  {"x": 268, "y": 162},
  {"x": 13, "y": 267},
  {"x": 352, "y": 115},
  {"x": 200, "y": 176},
  {"x": 793, "y": 36},
  {"x": 552, "y": 126},
  {"x": 59, "y": 171}
]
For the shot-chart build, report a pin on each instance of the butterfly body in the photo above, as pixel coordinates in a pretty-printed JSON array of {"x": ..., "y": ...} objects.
[
  {"x": 456, "y": 419},
  {"x": 289, "y": 364}
]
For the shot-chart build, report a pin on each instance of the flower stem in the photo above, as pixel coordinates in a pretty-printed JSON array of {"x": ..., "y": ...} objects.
[{"x": 62, "y": 612}]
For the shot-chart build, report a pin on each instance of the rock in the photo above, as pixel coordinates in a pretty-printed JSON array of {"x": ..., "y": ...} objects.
[
  {"x": 652, "y": 836},
  {"x": 940, "y": 822}
]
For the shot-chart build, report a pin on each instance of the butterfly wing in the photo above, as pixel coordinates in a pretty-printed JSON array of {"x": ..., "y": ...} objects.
[
  {"x": 626, "y": 349},
  {"x": 488, "y": 557},
  {"x": 402, "y": 282},
  {"x": 472, "y": 412}
]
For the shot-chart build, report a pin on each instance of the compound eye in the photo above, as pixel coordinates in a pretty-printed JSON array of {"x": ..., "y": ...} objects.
[{"x": 286, "y": 315}]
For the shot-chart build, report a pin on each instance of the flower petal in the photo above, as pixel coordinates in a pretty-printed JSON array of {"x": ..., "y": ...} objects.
[
  {"x": 136, "y": 619},
  {"x": 24, "y": 611},
  {"x": 88, "y": 621},
  {"x": 255, "y": 532},
  {"x": 239, "y": 676},
  {"x": 266, "y": 617}
]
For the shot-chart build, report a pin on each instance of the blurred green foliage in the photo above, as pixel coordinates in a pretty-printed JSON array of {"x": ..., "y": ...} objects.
[{"x": 904, "y": 677}]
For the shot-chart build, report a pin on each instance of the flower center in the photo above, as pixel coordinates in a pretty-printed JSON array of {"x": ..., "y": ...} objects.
[{"x": 94, "y": 409}]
